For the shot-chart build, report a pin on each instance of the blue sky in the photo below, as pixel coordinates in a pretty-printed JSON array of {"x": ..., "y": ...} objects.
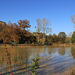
[{"x": 58, "y": 12}]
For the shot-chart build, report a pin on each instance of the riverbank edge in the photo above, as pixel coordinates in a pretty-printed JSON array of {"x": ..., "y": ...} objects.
[{"x": 29, "y": 45}]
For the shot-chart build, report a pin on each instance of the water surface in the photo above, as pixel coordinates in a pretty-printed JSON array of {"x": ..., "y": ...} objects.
[{"x": 52, "y": 59}]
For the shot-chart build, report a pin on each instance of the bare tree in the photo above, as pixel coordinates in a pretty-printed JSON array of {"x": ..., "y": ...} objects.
[
  {"x": 73, "y": 19},
  {"x": 46, "y": 26},
  {"x": 70, "y": 34},
  {"x": 38, "y": 27}
]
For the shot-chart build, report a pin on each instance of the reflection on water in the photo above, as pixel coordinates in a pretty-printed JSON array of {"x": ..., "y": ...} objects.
[
  {"x": 73, "y": 52},
  {"x": 52, "y": 59}
]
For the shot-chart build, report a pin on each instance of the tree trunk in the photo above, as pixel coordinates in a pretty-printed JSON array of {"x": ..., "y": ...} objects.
[
  {"x": 43, "y": 38},
  {"x": 38, "y": 38}
]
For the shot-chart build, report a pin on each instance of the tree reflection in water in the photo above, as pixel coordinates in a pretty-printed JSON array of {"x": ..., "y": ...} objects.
[{"x": 51, "y": 59}]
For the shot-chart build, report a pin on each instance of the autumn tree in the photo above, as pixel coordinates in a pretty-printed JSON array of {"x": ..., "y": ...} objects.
[
  {"x": 15, "y": 33},
  {"x": 68, "y": 37},
  {"x": 68, "y": 40},
  {"x": 32, "y": 39},
  {"x": 24, "y": 24},
  {"x": 4, "y": 32},
  {"x": 62, "y": 37},
  {"x": 73, "y": 37},
  {"x": 55, "y": 38},
  {"x": 2, "y": 25},
  {"x": 49, "y": 39}
]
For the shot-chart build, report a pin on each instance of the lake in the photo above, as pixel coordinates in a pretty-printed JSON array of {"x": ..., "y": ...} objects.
[{"x": 51, "y": 59}]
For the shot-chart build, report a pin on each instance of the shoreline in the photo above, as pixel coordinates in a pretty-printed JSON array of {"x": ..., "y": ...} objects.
[{"x": 31, "y": 45}]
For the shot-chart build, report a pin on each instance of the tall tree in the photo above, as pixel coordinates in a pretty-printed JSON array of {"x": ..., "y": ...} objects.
[
  {"x": 38, "y": 27},
  {"x": 24, "y": 25},
  {"x": 46, "y": 27}
]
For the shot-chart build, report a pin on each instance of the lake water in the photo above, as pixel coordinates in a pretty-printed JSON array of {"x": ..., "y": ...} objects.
[{"x": 51, "y": 59}]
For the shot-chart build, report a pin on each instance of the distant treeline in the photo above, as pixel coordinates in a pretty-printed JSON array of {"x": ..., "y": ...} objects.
[{"x": 19, "y": 34}]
